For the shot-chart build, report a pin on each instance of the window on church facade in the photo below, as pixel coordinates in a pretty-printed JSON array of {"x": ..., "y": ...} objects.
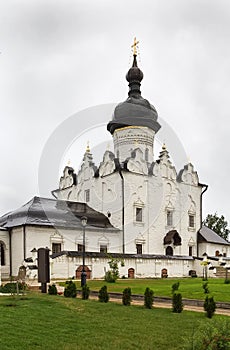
[
  {"x": 103, "y": 248},
  {"x": 217, "y": 253},
  {"x": 87, "y": 195},
  {"x": 139, "y": 214},
  {"x": 139, "y": 248},
  {"x": 191, "y": 219},
  {"x": 2, "y": 254},
  {"x": 80, "y": 247},
  {"x": 190, "y": 251},
  {"x": 56, "y": 248},
  {"x": 147, "y": 154},
  {"x": 169, "y": 251},
  {"x": 169, "y": 218}
]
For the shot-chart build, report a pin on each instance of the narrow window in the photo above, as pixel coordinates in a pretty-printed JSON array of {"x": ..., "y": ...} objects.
[
  {"x": 139, "y": 248},
  {"x": 139, "y": 214},
  {"x": 190, "y": 251},
  {"x": 103, "y": 248},
  {"x": 169, "y": 218},
  {"x": 56, "y": 248},
  {"x": 87, "y": 195},
  {"x": 118, "y": 154},
  {"x": 191, "y": 221},
  {"x": 80, "y": 247},
  {"x": 147, "y": 154},
  {"x": 169, "y": 250}
]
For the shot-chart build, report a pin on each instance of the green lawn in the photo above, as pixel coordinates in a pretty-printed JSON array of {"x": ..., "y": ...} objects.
[
  {"x": 40, "y": 321},
  {"x": 190, "y": 288}
]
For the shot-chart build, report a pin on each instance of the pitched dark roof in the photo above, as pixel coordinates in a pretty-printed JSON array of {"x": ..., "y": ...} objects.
[
  {"x": 51, "y": 212},
  {"x": 205, "y": 234}
]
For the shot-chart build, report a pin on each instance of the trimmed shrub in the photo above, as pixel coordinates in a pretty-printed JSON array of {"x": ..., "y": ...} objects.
[
  {"x": 177, "y": 303},
  {"x": 85, "y": 292},
  {"x": 103, "y": 295},
  {"x": 70, "y": 290},
  {"x": 175, "y": 287},
  {"x": 209, "y": 306},
  {"x": 52, "y": 290},
  {"x": 149, "y": 298},
  {"x": 12, "y": 287},
  {"x": 126, "y": 297},
  {"x": 205, "y": 287}
]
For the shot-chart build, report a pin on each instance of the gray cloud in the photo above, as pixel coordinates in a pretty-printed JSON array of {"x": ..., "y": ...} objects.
[{"x": 59, "y": 57}]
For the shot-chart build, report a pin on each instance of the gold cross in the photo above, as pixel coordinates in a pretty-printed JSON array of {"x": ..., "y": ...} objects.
[{"x": 134, "y": 46}]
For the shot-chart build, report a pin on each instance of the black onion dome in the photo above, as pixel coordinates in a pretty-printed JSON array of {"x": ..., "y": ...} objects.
[
  {"x": 135, "y": 111},
  {"x": 134, "y": 75}
]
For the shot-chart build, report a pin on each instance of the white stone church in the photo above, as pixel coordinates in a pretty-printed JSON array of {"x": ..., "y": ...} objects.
[{"x": 139, "y": 208}]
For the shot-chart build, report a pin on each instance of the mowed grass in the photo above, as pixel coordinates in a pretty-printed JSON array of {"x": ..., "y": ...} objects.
[
  {"x": 190, "y": 288},
  {"x": 41, "y": 321}
]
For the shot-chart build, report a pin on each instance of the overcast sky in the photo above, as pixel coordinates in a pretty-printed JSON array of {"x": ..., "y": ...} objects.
[{"x": 60, "y": 57}]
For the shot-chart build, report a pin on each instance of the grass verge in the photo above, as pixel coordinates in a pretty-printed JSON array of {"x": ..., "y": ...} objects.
[{"x": 41, "y": 321}]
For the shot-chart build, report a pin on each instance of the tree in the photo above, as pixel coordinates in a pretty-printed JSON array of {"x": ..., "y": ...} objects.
[
  {"x": 113, "y": 274},
  {"x": 218, "y": 225}
]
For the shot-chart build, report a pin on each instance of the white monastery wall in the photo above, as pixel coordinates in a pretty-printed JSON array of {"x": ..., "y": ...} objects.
[{"x": 65, "y": 267}]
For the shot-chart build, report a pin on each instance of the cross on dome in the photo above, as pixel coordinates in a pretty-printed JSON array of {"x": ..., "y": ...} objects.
[{"x": 134, "y": 46}]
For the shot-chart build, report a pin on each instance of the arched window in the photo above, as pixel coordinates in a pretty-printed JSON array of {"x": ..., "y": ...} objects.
[
  {"x": 217, "y": 253},
  {"x": 169, "y": 250},
  {"x": 3, "y": 262}
]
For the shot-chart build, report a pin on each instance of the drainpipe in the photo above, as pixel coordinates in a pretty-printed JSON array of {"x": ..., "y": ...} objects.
[
  {"x": 201, "y": 212},
  {"x": 118, "y": 167}
]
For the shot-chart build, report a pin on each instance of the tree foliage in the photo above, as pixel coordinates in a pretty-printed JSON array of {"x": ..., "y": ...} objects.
[
  {"x": 218, "y": 224},
  {"x": 113, "y": 274}
]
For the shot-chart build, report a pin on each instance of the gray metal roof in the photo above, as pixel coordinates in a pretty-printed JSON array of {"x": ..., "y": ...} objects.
[
  {"x": 205, "y": 234},
  {"x": 50, "y": 212}
]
